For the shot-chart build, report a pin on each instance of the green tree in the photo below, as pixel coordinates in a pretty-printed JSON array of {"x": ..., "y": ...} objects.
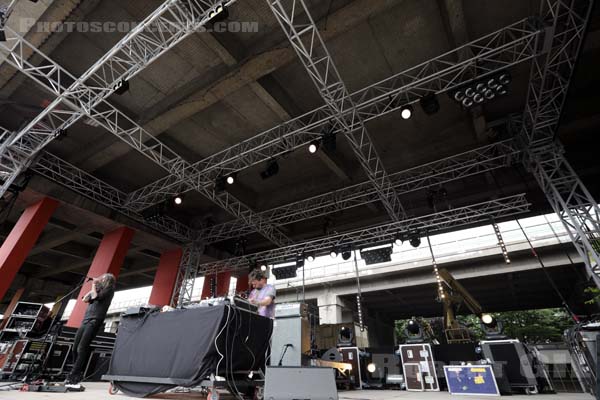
[{"x": 533, "y": 326}]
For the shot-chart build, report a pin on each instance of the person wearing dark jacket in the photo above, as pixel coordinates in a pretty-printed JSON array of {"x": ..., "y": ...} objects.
[{"x": 98, "y": 299}]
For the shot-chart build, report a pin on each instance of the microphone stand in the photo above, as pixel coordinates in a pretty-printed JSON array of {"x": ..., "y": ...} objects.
[{"x": 53, "y": 341}]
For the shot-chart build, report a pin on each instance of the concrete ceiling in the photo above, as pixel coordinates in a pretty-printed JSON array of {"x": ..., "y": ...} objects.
[{"x": 215, "y": 89}]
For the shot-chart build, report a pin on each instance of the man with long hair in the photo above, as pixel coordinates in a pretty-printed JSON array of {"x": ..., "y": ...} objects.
[
  {"x": 98, "y": 299},
  {"x": 263, "y": 294}
]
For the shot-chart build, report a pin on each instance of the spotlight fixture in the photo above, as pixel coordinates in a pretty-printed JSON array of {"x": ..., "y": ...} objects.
[
  {"x": 313, "y": 147},
  {"x": 59, "y": 134},
  {"x": 482, "y": 90},
  {"x": 220, "y": 184},
  {"x": 230, "y": 179},
  {"x": 371, "y": 367},
  {"x": 487, "y": 319},
  {"x": 345, "y": 337},
  {"x": 346, "y": 253},
  {"x": 398, "y": 240},
  {"x": 415, "y": 240},
  {"x": 263, "y": 267},
  {"x": 121, "y": 87},
  {"x": 406, "y": 112},
  {"x": 328, "y": 140},
  {"x": 218, "y": 14},
  {"x": 271, "y": 170},
  {"x": 333, "y": 253},
  {"x": 377, "y": 255},
  {"x": 178, "y": 200},
  {"x": 285, "y": 272},
  {"x": 430, "y": 104},
  {"x": 310, "y": 257},
  {"x": 413, "y": 327},
  {"x": 501, "y": 243}
]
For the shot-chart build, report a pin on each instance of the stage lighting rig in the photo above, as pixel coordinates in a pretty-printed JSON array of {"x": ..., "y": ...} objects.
[
  {"x": 430, "y": 104},
  {"x": 482, "y": 90},
  {"x": 333, "y": 253},
  {"x": 178, "y": 200},
  {"x": 121, "y": 87},
  {"x": 271, "y": 170},
  {"x": 406, "y": 112},
  {"x": 415, "y": 240},
  {"x": 218, "y": 14},
  {"x": 346, "y": 253},
  {"x": 310, "y": 257},
  {"x": 377, "y": 255},
  {"x": 313, "y": 147},
  {"x": 285, "y": 272}
]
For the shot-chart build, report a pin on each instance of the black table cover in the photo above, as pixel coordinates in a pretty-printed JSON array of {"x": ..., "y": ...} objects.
[{"x": 187, "y": 345}]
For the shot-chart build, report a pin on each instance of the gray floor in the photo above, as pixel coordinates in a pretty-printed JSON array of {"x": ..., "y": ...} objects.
[{"x": 99, "y": 391}]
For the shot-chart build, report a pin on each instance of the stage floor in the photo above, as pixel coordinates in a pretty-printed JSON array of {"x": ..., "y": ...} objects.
[{"x": 99, "y": 391}]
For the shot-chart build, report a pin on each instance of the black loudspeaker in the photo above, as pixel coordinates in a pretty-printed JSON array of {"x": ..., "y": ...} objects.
[{"x": 502, "y": 378}]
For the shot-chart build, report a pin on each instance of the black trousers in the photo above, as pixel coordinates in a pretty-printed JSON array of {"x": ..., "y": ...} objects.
[{"x": 82, "y": 347}]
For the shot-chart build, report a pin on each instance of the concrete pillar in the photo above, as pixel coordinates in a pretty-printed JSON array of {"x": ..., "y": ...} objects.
[
  {"x": 21, "y": 239},
  {"x": 165, "y": 277},
  {"x": 330, "y": 308},
  {"x": 108, "y": 259}
]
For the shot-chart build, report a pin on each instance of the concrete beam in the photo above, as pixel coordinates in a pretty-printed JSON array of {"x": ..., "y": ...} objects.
[{"x": 245, "y": 72}]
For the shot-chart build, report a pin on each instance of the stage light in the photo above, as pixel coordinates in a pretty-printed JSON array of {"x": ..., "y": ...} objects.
[
  {"x": 346, "y": 253},
  {"x": 285, "y": 272},
  {"x": 230, "y": 179},
  {"x": 218, "y": 14},
  {"x": 263, "y": 267},
  {"x": 413, "y": 327},
  {"x": 178, "y": 200},
  {"x": 328, "y": 140},
  {"x": 310, "y": 258},
  {"x": 478, "y": 91},
  {"x": 487, "y": 319},
  {"x": 377, "y": 255},
  {"x": 313, "y": 147},
  {"x": 430, "y": 104},
  {"x": 371, "y": 367},
  {"x": 415, "y": 240},
  {"x": 406, "y": 112},
  {"x": 121, "y": 87},
  {"x": 398, "y": 240},
  {"x": 271, "y": 170},
  {"x": 333, "y": 253}
]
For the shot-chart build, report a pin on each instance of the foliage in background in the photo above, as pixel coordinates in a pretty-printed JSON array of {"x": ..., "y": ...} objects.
[{"x": 532, "y": 326}]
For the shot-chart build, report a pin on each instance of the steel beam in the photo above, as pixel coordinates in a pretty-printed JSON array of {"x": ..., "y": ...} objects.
[
  {"x": 304, "y": 36},
  {"x": 482, "y": 159},
  {"x": 494, "y": 52},
  {"x": 186, "y": 275},
  {"x": 385, "y": 233}
]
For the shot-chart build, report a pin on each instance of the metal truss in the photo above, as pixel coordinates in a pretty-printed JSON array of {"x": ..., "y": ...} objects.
[
  {"x": 310, "y": 48},
  {"x": 497, "y": 51},
  {"x": 186, "y": 275},
  {"x": 549, "y": 84},
  {"x": 126, "y": 129},
  {"x": 477, "y": 213},
  {"x": 551, "y": 73},
  {"x": 482, "y": 159},
  {"x": 77, "y": 97},
  {"x": 95, "y": 189},
  {"x": 571, "y": 201}
]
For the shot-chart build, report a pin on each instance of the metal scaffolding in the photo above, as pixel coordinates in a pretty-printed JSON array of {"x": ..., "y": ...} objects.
[
  {"x": 480, "y": 160},
  {"x": 77, "y": 97},
  {"x": 491, "y": 53},
  {"x": 543, "y": 155},
  {"x": 186, "y": 275},
  {"x": 385, "y": 233},
  {"x": 125, "y": 128},
  {"x": 306, "y": 40}
]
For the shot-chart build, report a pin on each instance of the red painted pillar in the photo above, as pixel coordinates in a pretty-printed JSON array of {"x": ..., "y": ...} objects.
[
  {"x": 166, "y": 275},
  {"x": 109, "y": 258},
  {"x": 242, "y": 285},
  {"x": 21, "y": 239},
  {"x": 11, "y": 306},
  {"x": 223, "y": 280}
]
